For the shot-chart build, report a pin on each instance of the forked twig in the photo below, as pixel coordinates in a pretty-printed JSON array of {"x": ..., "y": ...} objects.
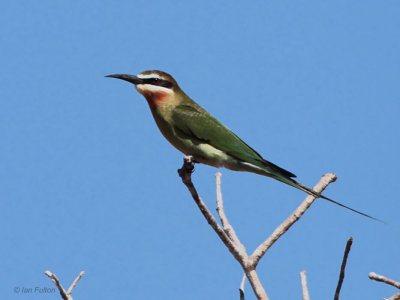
[
  {"x": 227, "y": 233},
  {"x": 66, "y": 295},
  {"x": 186, "y": 174}
]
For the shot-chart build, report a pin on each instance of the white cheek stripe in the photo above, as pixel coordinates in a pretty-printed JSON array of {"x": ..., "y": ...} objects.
[{"x": 152, "y": 88}]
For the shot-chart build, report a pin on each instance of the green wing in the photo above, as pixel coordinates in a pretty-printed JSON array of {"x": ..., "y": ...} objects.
[{"x": 196, "y": 123}]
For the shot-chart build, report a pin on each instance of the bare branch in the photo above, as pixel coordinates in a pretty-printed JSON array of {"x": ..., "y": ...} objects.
[
  {"x": 227, "y": 233},
  {"x": 238, "y": 252},
  {"x": 224, "y": 219},
  {"x": 293, "y": 218},
  {"x": 381, "y": 278},
  {"x": 186, "y": 174},
  {"x": 306, "y": 295},
  {"x": 343, "y": 267},
  {"x": 66, "y": 295},
  {"x": 258, "y": 289}
]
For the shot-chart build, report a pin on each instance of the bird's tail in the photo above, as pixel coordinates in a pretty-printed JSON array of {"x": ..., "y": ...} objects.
[{"x": 311, "y": 192}]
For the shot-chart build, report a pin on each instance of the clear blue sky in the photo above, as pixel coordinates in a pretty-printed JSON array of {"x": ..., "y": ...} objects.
[{"x": 88, "y": 182}]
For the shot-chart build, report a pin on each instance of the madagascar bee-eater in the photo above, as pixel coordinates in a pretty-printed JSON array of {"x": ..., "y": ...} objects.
[{"x": 193, "y": 131}]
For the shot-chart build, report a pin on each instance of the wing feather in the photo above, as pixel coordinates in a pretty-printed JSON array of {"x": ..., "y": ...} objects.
[{"x": 195, "y": 122}]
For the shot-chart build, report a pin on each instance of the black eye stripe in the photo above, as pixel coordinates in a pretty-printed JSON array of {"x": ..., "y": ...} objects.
[{"x": 158, "y": 82}]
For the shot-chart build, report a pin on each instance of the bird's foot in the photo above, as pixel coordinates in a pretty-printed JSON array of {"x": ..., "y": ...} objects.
[{"x": 188, "y": 166}]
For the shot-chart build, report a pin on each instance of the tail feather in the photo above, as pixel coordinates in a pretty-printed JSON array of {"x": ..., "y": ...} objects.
[{"x": 311, "y": 192}]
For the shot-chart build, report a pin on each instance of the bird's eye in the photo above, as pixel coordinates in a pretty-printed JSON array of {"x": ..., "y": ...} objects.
[
  {"x": 154, "y": 81},
  {"x": 159, "y": 82}
]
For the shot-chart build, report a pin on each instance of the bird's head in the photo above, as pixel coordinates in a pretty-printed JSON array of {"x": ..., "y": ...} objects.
[{"x": 155, "y": 86}]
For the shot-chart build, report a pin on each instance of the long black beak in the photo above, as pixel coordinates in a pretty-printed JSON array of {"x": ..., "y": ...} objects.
[{"x": 130, "y": 78}]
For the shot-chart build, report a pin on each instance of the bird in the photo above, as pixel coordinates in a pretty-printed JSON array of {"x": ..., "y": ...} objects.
[{"x": 195, "y": 132}]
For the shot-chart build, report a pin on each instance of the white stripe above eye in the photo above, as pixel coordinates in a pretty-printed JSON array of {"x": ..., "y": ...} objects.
[{"x": 152, "y": 75}]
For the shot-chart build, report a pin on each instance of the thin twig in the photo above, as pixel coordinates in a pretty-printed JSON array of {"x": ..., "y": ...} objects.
[
  {"x": 306, "y": 295},
  {"x": 293, "y": 218},
  {"x": 381, "y": 278},
  {"x": 66, "y": 295},
  {"x": 75, "y": 282},
  {"x": 224, "y": 219},
  {"x": 343, "y": 267}
]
